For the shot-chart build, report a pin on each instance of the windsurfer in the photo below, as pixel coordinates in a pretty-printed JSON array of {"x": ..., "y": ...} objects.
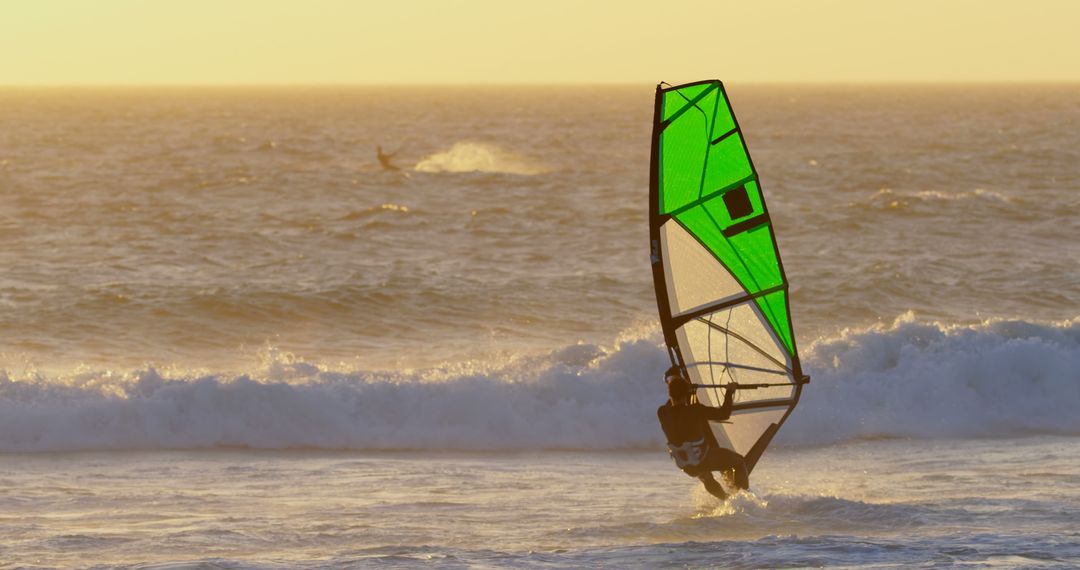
[
  {"x": 384, "y": 158},
  {"x": 690, "y": 440}
]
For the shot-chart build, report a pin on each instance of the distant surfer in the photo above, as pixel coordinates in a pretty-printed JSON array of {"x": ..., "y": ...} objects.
[
  {"x": 690, "y": 440},
  {"x": 384, "y": 158}
]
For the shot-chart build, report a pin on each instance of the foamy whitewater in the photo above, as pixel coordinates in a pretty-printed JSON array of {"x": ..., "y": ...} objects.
[{"x": 231, "y": 340}]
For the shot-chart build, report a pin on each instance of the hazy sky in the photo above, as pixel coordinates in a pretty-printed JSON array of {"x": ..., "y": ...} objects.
[{"x": 535, "y": 41}]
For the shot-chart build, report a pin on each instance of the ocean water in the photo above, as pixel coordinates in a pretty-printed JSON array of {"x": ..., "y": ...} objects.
[{"x": 228, "y": 338}]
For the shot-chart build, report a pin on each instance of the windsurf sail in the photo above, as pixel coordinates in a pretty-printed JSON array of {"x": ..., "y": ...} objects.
[{"x": 720, "y": 284}]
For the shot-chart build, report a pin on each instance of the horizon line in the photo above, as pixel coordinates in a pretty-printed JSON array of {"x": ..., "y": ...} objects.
[{"x": 752, "y": 82}]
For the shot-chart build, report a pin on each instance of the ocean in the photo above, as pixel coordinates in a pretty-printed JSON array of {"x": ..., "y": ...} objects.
[{"x": 230, "y": 339}]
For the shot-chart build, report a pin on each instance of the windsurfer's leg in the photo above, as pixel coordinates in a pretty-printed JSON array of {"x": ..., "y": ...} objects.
[
  {"x": 731, "y": 465},
  {"x": 737, "y": 476},
  {"x": 712, "y": 485}
]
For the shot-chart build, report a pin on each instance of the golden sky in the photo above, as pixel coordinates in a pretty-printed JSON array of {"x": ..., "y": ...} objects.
[{"x": 134, "y": 42}]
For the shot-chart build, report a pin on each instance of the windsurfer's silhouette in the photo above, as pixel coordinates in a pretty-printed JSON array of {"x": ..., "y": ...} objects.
[
  {"x": 384, "y": 158},
  {"x": 690, "y": 440}
]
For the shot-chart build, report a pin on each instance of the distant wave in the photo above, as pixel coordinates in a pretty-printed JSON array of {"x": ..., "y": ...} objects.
[
  {"x": 468, "y": 156},
  {"x": 373, "y": 211},
  {"x": 908, "y": 379},
  {"x": 932, "y": 201}
]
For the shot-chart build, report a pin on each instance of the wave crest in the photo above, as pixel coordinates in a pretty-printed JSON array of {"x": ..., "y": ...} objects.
[
  {"x": 550, "y": 402},
  {"x": 927, "y": 380},
  {"x": 908, "y": 379}
]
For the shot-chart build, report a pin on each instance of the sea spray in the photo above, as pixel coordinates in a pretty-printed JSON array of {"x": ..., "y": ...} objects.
[{"x": 470, "y": 156}]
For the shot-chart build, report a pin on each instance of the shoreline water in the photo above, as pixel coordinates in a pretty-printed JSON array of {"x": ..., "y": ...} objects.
[{"x": 860, "y": 504}]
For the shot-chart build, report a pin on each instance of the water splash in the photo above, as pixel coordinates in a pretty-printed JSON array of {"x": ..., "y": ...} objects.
[{"x": 468, "y": 156}]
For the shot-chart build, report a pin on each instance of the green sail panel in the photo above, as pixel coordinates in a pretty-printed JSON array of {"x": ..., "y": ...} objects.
[{"x": 690, "y": 170}]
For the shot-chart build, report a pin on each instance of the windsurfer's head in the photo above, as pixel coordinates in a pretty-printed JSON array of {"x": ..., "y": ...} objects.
[{"x": 678, "y": 386}]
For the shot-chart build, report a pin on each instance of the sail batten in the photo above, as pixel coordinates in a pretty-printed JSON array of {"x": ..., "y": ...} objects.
[{"x": 721, "y": 289}]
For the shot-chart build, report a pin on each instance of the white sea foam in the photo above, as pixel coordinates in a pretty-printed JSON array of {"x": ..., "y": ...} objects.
[
  {"x": 467, "y": 156},
  {"x": 909, "y": 379},
  {"x": 917, "y": 379}
]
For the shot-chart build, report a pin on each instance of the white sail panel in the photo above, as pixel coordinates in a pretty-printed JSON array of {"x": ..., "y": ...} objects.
[
  {"x": 744, "y": 338},
  {"x": 746, "y": 321},
  {"x": 747, "y": 426},
  {"x": 694, "y": 339},
  {"x": 735, "y": 345},
  {"x": 694, "y": 277}
]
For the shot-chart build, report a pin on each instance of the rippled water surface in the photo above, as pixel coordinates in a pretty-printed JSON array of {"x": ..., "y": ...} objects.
[
  {"x": 194, "y": 227},
  {"x": 1010, "y": 502},
  {"x": 228, "y": 337}
]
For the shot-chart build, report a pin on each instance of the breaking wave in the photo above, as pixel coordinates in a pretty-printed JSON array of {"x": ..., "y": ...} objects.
[
  {"x": 908, "y": 379},
  {"x": 926, "y": 380}
]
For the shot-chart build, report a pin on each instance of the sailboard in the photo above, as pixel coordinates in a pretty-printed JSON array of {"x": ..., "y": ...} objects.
[{"x": 720, "y": 285}]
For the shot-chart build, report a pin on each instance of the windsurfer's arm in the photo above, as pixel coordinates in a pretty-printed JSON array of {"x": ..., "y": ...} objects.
[{"x": 724, "y": 411}]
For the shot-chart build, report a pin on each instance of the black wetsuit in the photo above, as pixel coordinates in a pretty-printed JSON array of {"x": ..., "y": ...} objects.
[
  {"x": 682, "y": 424},
  {"x": 690, "y": 423}
]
